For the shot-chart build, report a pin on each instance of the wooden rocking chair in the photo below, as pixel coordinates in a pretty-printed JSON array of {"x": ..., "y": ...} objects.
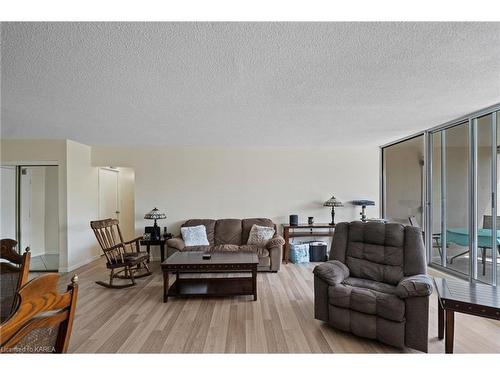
[
  {"x": 122, "y": 264},
  {"x": 14, "y": 270}
]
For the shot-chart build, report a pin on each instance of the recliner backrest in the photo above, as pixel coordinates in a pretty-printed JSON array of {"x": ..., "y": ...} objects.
[{"x": 384, "y": 252}]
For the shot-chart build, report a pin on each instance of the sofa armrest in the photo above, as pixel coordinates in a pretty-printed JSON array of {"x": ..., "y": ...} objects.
[
  {"x": 415, "y": 286},
  {"x": 276, "y": 241},
  {"x": 332, "y": 272},
  {"x": 176, "y": 243}
]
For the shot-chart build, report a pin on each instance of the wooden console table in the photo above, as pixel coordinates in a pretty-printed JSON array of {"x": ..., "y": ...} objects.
[{"x": 304, "y": 230}]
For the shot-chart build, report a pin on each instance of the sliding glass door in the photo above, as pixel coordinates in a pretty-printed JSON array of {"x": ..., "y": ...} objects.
[
  {"x": 463, "y": 198},
  {"x": 447, "y": 180},
  {"x": 450, "y": 192}
]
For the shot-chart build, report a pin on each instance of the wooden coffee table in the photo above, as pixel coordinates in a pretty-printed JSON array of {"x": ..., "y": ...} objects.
[
  {"x": 184, "y": 262},
  {"x": 467, "y": 298}
]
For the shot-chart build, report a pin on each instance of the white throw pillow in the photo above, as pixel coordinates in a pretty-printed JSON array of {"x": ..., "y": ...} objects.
[
  {"x": 195, "y": 236},
  {"x": 259, "y": 235}
]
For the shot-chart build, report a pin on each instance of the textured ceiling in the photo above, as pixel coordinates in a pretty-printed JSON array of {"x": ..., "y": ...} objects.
[{"x": 243, "y": 84}]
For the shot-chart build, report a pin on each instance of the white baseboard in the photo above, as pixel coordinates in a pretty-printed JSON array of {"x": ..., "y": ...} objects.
[{"x": 78, "y": 265}]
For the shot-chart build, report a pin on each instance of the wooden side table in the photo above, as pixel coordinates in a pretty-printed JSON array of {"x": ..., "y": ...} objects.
[
  {"x": 161, "y": 242},
  {"x": 466, "y": 298},
  {"x": 304, "y": 230}
]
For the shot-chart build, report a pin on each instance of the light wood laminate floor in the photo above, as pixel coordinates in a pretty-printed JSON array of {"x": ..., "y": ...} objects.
[{"x": 135, "y": 320}]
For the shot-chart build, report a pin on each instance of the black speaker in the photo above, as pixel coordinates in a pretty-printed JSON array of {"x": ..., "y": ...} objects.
[
  {"x": 294, "y": 220},
  {"x": 155, "y": 232}
]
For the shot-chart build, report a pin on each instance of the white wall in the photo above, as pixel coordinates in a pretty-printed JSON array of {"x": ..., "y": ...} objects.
[
  {"x": 223, "y": 183},
  {"x": 200, "y": 183},
  {"x": 82, "y": 191}
]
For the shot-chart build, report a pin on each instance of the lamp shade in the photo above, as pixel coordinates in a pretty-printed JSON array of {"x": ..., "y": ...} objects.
[
  {"x": 333, "y": 202},
  {"x": 363, "y": 202},
  {"x": 155, "y": 214}
]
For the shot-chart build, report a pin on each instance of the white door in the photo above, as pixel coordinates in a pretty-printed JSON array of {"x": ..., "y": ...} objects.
[
  {"x": 108, "y": 194},
  {"x": 8, "y": 202}
]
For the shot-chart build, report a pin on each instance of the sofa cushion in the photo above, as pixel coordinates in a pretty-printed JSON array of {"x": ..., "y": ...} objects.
[
  {"x": 198, "y": 248},
  {"x": 228, "y": 232},
  {"x": 209, "y": 226},
  {"x": 260, "y": 251},
  {"x": 375, "y": 251},
  {"x": 195, "y": 236},
  {"x": 367, "y": 301},
  {"x": 247, "y": 226},
  {"x": 260, "y": 235},
  {"x": 225, "y": 248}
]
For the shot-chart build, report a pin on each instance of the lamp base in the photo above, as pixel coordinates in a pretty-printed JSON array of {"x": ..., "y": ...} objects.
[{"x": 363, "y": 213}]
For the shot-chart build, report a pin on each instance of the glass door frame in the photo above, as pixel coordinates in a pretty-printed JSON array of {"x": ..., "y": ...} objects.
[{"x": 471, "y": 119}]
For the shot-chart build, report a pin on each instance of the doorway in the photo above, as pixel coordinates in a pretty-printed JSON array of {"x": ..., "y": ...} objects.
[{"x": 30, "y": 212}]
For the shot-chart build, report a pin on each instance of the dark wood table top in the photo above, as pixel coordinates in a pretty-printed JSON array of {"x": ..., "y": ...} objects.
[
  {"x": 308, "y": 226},
  {"x": 195, "y": 258},
  {"x": 472, "y": 293},
  {"x": 158, "y": 241}
]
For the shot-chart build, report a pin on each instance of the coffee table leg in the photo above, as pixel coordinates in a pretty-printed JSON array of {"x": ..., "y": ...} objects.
[
  {"x": 165, "y": 286},
  {"x": 440, "y": 321},
  {"x": 162, "y": 252},
  {"x": 254, "y": 282},
  {"x": 450, "y": 331}
]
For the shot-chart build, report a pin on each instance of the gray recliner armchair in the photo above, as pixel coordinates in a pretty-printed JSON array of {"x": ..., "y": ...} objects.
[{"x": 375, "y": 284}]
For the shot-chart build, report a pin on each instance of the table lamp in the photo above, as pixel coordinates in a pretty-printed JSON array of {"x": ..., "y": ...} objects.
[
  {"x": 155, "y": 214},
  {"x": 333, "y": 202},
  {"x": 363, "y": 203}
]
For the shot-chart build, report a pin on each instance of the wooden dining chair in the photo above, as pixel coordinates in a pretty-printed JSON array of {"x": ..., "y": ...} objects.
[
  {"x": 14, "y": 270},
  {"x": 123, "y": 258},
  {"x": 43, "y": 319}
]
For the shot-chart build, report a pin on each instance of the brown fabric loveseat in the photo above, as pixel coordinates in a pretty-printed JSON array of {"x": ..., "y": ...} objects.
[
  {"x": 232, "y": 235},
  {"x": 375, "y": 284}
]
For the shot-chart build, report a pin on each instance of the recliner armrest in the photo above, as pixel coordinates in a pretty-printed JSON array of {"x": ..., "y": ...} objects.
[
  {"x": 332, "y": 272},
  {"x": 414, "y": 286},
  {"x": 276, "y": 241},
  {"x": 176, "y": 243}
]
